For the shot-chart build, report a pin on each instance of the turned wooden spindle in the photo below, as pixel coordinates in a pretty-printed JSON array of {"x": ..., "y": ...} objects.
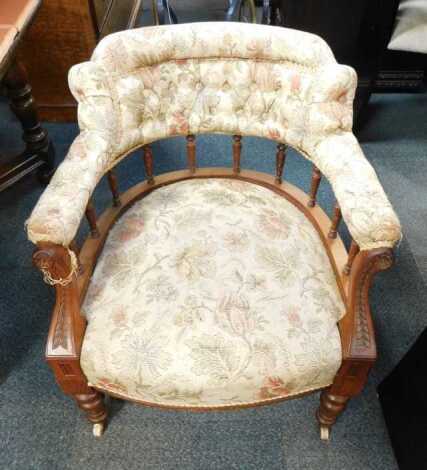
[
  {"x": 354, "y": 249},
  {"x": 315, "y": 181},
  {"x": 114, "y": 187},
  {"x": 148, "y": 163},
  {"x": 237, "y": 151},
  {"x": 280, "y": 162},
  {"x": 191, "y": 153},
  {"x": 91, "y": 218},
  {"x": 335, "y": 222}
]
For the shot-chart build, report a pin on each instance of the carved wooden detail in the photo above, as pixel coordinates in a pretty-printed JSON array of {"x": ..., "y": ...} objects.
[
  {"x": 61, "y": 333},
  {"x": 67, "y": 326},
  {"x": 53, "y": 258},
  {"x": 371, "y": 264},
  {"x": 237, "y": 151}
]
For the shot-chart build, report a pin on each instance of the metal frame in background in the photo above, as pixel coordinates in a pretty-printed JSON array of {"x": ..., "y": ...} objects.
[{"x": 165, "y": 14}]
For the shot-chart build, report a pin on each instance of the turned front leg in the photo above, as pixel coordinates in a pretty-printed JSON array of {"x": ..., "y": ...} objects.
[
  {"x": 331, "y": 406},
  {"x": 60, "y": 268},
  {"x": 92, "y": 403}
]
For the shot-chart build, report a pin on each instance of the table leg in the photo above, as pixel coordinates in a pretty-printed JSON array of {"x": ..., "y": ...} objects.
[{"x": 22, "y": 104}]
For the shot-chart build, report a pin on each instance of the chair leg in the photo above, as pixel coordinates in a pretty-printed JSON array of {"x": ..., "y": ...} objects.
[
  {"x": 349, "y": 382},
  {"x": 73, "y": 382},
  {"x": 92, "y": 403},
  {"x": 331, "y": 406}
]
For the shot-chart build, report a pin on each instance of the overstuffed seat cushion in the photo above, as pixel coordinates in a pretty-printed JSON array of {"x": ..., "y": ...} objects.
[{"x": 212, "y": 292}]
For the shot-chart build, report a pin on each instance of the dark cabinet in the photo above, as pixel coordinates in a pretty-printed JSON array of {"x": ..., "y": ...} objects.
[
  {"x": 356, "y": 30},
  {"x": 403, "y": 397}
]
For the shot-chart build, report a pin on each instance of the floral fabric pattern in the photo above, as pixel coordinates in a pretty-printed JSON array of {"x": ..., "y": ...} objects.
[
  {"x": 212, "y": 292},
  {"x": 151, "y": 83}
]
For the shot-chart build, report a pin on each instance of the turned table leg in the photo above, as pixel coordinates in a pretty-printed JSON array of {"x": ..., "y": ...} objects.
[{"x": 22, "y": 104}]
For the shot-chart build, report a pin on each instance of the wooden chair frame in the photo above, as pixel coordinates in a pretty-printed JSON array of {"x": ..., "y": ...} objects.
[{"x": 353, "y": 271}]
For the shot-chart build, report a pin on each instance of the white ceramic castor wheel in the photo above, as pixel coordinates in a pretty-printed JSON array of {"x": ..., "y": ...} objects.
[
  {"x": 325, "y": 433},
  {"x": 98, "y": 429}
]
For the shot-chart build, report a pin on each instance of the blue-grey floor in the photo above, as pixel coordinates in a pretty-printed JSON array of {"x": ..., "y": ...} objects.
[{"x": 42, "y": 429}]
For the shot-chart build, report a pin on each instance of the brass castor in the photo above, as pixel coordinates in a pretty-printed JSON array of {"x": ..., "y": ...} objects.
[
  {"x": 98, "y": 429},
  {"x": 325, "y": 432}
]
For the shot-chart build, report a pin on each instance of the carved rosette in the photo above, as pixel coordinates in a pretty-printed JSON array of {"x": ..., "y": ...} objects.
[{"x": 57, "y": 263}]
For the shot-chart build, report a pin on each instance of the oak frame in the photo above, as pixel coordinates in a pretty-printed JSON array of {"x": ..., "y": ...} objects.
[{"x": 354, "y": 274}]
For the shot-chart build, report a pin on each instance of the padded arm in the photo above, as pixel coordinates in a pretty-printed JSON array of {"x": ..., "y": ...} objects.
[
  {"x": 57, "y": 215},
  {"x": 365, "y": 207}
]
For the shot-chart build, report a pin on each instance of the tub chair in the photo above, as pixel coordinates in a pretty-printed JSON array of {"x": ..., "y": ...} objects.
[{"x": 212, "y": 288}]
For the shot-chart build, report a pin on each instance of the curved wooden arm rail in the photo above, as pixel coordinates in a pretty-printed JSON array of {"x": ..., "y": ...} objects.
[{"x": 354, "y": 273}]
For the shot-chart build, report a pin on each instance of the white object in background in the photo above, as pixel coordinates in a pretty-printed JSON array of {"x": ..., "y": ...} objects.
[{"x": 410, "y": 30}]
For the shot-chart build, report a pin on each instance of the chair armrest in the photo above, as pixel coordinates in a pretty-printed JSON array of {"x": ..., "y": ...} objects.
[
  {"x": 365, "y": 207},
  {"x": 58, "y": 213}
]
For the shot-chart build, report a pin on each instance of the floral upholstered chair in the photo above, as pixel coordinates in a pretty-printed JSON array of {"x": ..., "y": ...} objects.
[{"x": 212, "y": 288}]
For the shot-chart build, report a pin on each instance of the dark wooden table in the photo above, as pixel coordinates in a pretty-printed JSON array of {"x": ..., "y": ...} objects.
[{"x": 38, "y": 152}]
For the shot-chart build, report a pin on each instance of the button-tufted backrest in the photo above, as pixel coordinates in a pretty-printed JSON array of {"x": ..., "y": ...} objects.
[
  {"x": 151, "y": 83},
  {"x": 147, "y": 84}
]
